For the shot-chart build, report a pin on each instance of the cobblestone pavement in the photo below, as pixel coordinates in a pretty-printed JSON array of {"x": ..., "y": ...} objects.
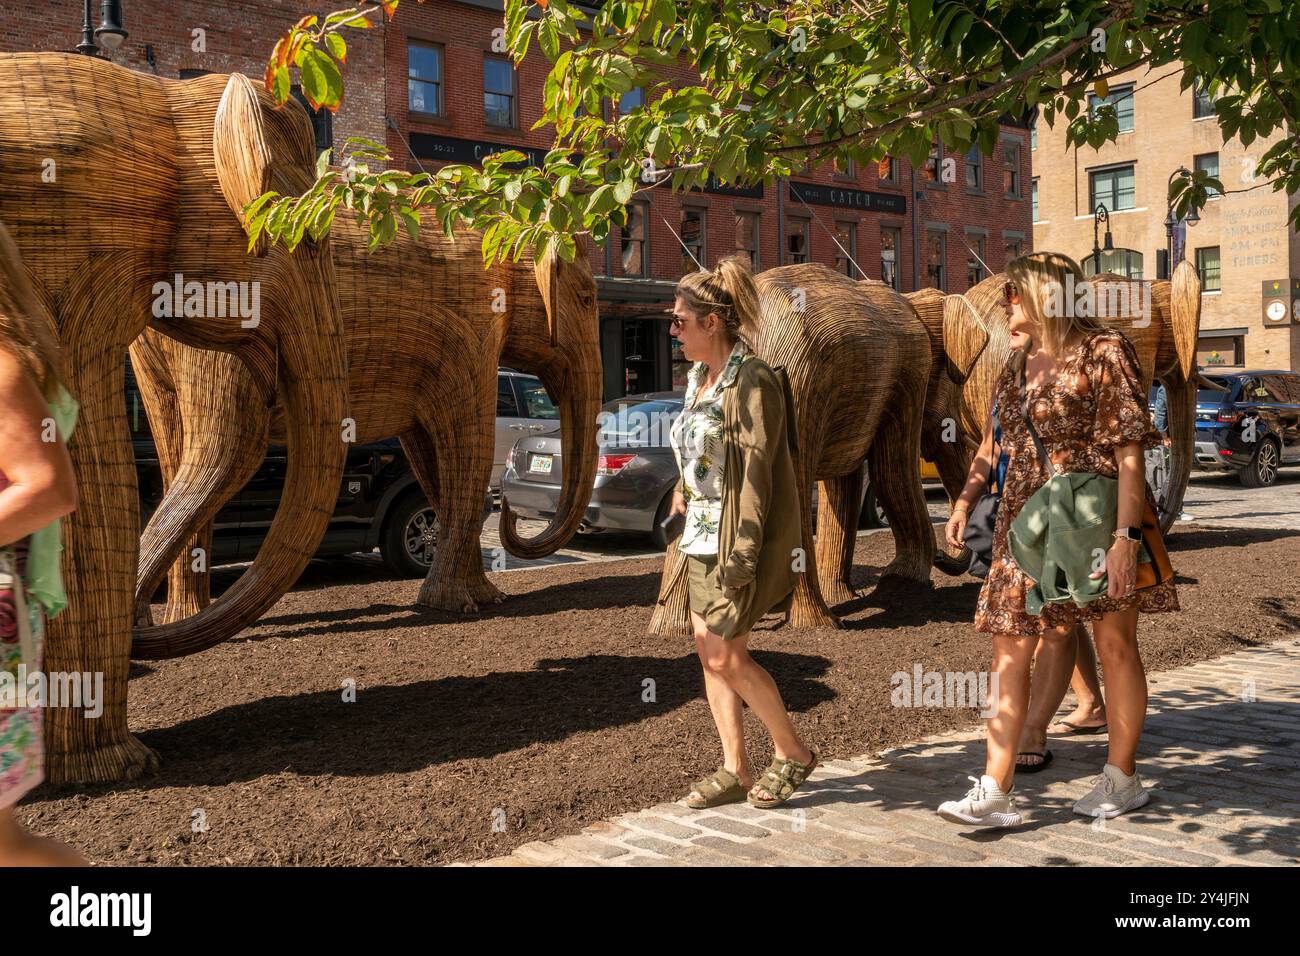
[
  {"x": 1221, "y": 755},
  {"x": 1219, "y": 500}
]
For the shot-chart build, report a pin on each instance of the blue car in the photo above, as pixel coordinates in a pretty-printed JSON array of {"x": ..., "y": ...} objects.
[{"x": 1251, "y": 427}]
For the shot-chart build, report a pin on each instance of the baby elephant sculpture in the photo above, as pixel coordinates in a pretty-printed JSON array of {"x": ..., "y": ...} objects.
[
  {"x": 859, "y": 361},
  {"x": 425, "y": 327}
]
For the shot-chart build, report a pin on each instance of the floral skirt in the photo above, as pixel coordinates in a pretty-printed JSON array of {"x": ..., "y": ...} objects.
[{"x": 22, "y": 734}]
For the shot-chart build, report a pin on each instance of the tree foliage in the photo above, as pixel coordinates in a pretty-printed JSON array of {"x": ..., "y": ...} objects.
[{"x": 747, "y": 91}]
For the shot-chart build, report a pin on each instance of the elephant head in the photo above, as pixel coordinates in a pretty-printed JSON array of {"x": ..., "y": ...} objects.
[
  {"x": 299, "y": 358},
  {"x": 564, "y": 353},
  {"x": 1161, "y": 318},
  {"x": 127, "y": 213}
]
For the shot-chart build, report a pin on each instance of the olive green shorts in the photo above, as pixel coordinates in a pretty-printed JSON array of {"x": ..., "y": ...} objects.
[{"x": 702, "y": 581}]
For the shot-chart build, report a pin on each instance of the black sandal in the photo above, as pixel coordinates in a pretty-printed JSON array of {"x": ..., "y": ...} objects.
[
  {"x": 1033, "y": 767},
  {"x": 1075, "y": 730}
]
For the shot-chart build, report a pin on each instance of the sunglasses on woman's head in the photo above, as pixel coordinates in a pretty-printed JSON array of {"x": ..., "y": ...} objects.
[{"x": 1011, "y": 293}]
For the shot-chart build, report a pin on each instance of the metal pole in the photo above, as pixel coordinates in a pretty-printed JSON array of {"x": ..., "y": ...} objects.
[{"x": 87, "y": 44}]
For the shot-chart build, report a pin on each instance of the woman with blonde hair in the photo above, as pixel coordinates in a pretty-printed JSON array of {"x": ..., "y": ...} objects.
[
  {"x": 36, "y": 489},
  {"x": 1070, "y": 402},
  {"x": 733, "y": 444}
]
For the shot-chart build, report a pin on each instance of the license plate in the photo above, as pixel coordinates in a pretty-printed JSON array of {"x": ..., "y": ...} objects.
[{"x": 541, "y": 464}]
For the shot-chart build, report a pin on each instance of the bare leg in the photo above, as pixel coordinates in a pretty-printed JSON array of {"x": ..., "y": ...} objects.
[
  {"x": 1012, "y": 655},
  {"x": 1090, "y": 707},
  {"x": 728, "y": 712},
  {"x": 729, "y": 660},
  {"x": 1126, "y": 685},
  {"x": 1053, "y": 664},
  {"x": 20, "y": 847}
]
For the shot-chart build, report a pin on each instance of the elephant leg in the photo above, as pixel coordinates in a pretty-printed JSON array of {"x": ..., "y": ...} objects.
[
  {"x": 837, "y": 531},
  {"x": 211, "y": 441},
  {"x": 456, "y": 580},
  {"x": 808, "y": 608},
  {"x": 892, "y": 465},
  {"x": 1181, "y": 394},
  {"x": 91, "y": 639}
]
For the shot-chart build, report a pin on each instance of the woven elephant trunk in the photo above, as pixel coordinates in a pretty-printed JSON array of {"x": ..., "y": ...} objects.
[
  {"x": 859, "y": 361},
  {"x": 425, "y": 328},
  {"x": 165, "y": 246}
]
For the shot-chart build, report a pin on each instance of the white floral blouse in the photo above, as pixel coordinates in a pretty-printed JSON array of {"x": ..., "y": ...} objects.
[{"x": 696, "y": 438}]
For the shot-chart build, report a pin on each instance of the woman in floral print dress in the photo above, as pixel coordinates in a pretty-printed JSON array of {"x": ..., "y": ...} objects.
[
  {"x": 36, "y": 488},
  {"x": 1083, "y": 388}
]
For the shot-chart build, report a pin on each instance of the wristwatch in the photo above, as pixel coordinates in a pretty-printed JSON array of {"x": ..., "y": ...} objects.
[{"x": 1130, "y": 533}]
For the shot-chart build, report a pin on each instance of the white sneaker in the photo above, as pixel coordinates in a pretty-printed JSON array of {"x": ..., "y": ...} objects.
[
  {"x": 984, "y": 805},
  {"x": 1186, "y": 516},
  {"x": 1113, "y": 792}
]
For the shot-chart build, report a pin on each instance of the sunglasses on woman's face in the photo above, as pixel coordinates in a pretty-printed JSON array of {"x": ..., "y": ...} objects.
[
  {"x": 1011, "y": 293},
  {"x": 675, "y": 325}
]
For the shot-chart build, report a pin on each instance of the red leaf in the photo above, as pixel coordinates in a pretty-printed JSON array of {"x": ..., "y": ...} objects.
[{"x": 276, "y": 61}]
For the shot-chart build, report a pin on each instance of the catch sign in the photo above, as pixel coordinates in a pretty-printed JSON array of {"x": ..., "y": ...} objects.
[
  {"x": 818, "y": 195},
  {"x": 453, "y": 149}
]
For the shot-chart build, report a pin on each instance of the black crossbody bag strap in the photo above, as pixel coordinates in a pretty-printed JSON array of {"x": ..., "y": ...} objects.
[{"x": 1029, "y": 424}]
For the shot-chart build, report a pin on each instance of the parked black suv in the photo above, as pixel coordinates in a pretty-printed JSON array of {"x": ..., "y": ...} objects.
[
  {"x": 380, "y": 503},
  {"x": 1251, "y": 427}
]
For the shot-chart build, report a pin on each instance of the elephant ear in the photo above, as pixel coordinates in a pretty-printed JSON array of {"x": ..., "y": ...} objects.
[
  {"x": 1185, "y": 313},
  {"x": 965, "y": 336},
  {"x": 241, "y": 149}
]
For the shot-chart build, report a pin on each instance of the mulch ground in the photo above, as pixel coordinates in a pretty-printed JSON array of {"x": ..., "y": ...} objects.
[{"x": 470, "y": 736}]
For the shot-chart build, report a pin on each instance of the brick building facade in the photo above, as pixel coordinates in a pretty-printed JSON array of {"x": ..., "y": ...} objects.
[
  {"x": 1247, "y": 255},
  {"x": 431, "y": 87}
]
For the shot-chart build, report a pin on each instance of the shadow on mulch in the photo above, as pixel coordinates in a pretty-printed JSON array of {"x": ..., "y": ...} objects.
[
  {"x": 471, "y": 735},
  {"x": 416, "y": 726}
]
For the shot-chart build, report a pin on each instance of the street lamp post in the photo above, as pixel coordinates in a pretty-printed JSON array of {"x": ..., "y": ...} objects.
[
  {"x": 109, "y": 32},
  {"x": 1171, "y": 221},
  {"x": 1099, "y": 215}
]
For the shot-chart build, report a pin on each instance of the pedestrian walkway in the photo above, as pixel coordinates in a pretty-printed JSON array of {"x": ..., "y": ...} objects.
[{"x": 1221, "y": 754}]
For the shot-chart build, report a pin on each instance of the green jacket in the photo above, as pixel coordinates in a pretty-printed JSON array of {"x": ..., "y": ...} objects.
[
  {"x": 760, "y": 532},
  {"x": 1061, "y": 534}
]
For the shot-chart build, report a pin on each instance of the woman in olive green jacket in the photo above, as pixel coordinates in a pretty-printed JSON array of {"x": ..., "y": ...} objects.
[{"x": 741, "y": 539}]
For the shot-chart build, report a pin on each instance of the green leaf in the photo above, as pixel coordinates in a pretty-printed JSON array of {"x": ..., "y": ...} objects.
[
  {"x": 549, "y": 38},
  {"x": 315, "y": 82},
  {"x": 338, "y": 47}
]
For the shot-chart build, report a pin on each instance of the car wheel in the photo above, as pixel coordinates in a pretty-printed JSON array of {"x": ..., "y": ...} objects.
[
  {"x": 410, "y": 537},
  {"x": 873, "y": 516},
  {"x": 658, "y": 534},
  {"x": 1262, "y": 470}
]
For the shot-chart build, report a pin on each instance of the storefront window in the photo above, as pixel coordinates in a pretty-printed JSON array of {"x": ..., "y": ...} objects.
[
  {"x": 747, "y": 237},
  {"x": 634, "y": 259},
  {"x": 936, "y": 246},
  {"x": 890, "y": 242},
  {"x": 693, "y": 229},
  {"x": 846, "y": 248},
  {"x": 797, "y": 238}
]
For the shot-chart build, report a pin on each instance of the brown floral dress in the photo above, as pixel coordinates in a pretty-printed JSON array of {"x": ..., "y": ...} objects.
[{"x": 1094, "y": 406}]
